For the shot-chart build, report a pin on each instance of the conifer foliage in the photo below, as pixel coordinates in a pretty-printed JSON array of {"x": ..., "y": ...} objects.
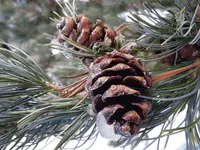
[{"x": 126, "y": 89}]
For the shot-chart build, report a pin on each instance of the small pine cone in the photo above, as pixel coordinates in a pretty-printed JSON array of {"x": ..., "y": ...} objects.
[
  {"x": 84, "y": 32},
  {"x": 194, "y": 3},
  {"x": 114, "y": 83},
  {"x": 186, "y": 53}
]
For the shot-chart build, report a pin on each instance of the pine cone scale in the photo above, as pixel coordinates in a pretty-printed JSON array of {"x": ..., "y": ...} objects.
[
  {"x": 103, "y": 83},
  {"x": 68, "y": 26},
  {"x": 118, "y": 90},
  {"x": 109, "y": 111},
  {"x": 109, "y": 62},
  {"x": 73, "y": 35},
  {"x": 97, "y": 32},
  {"x": 83, "y": 23},
  {"x": 132, "y": 116},
  {"x": 142, "y": 109},
  {"x": 111, "y": 34},
  {"x": 141, "y": 70},
  {"x": 136, "y": 81},
  {"x": 119, "y": 69}
]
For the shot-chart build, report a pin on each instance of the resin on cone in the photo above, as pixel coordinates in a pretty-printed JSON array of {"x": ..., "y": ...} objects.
[{"x": 113, "y": 85}]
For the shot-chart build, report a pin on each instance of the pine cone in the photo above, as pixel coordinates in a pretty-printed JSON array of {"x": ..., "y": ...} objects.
[
  {"x": 84, "y": 33},
  {"x": 186, "y": 53},
  {"x": 114, "y": 83},
  {"x": 194, "y": 3}
]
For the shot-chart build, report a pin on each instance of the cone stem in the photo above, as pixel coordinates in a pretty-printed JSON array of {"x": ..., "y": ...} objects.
[
  {"x": 164, "y": 75},
  {"x": 121, "y": 28},
  {"x": 73, "y": 90},
  {"x": 75, "y": 76},
  {"x": 77, "y": 90},
  {"x": 70, "y": 90}
]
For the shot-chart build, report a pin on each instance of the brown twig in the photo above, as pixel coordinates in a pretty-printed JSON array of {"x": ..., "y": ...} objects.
[
  {"x": 164, "y": 75},
  {"x": 75, "y": 76},
  {"x": 67, "y": 91},
  {"x": 73, "y": 84},
  {"x": 77, "y": 90},
  {"x": 120, "y": 28},
  {"x": 70, "y": 90}
]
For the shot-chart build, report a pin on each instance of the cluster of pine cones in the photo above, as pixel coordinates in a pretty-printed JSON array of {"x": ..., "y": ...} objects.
[{"x": 115, "y": 80}]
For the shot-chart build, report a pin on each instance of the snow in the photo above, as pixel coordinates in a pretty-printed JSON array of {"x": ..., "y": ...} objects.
[{"x": 105, "y": 130}]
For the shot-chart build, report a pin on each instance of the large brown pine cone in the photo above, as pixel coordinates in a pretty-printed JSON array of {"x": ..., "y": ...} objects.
[
  {"x": 114, "y": 83},
  {"x": 84, "y": 32}
]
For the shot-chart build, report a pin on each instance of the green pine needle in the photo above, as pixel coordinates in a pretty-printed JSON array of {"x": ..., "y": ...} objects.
[
  {"x": 31, "y": 112},
  {"x": 180, "y": 27}
]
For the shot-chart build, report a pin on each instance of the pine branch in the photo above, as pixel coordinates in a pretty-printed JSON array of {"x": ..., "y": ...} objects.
[
  {"x": 32, "y": 108},
  {"x": 29, "y": 112},
  {"x": 19, "y": 73},
  {"x": 166, "y": 34}
]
